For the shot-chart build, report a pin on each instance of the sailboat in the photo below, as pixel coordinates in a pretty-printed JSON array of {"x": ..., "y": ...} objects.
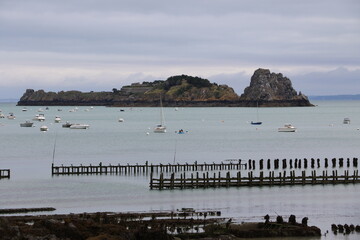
[
  {"x": 160, "y": 128},
  {"x": 257, "y": 116}
]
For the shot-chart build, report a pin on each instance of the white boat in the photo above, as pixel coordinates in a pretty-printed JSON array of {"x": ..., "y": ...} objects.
[
  {"x": 24, "y": 109},
  {"x": 57, "y": 119},
  {"x": 11, "y": 116},
  {"x": 44, "y": 128},
  {"x": 27, "y": 123},
  {"x": 121, "y": 120},
  {"x": 160, "y": 128},
  {"x": 346, "y": 121},
  {"x": 40, "y": 110},
  {"x": 287, "y": 128},
  {"x": 79, "y": 126},
  {"x": 39, "y": 117},
  {"x": 2, "y": 115}
]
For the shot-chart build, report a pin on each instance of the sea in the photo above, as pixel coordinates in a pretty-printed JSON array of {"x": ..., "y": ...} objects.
[{"x": 214, "y": 134}]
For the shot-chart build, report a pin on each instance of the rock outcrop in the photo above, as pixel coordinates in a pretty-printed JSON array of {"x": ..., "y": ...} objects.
[
  {"x": 272, "y": 89},
  {"x": 266, "y": 90}
]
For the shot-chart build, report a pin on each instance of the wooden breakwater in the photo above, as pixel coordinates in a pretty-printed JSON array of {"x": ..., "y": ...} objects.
[
  {"x": 217, "y": 180},
  {"x": 4, "y": 173},
  {"x": 230, "y": 164},
  {"x": 143, "y": 169}
]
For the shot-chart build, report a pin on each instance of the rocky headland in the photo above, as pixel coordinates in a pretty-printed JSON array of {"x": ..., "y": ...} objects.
[{"x": 266, "y": 90}]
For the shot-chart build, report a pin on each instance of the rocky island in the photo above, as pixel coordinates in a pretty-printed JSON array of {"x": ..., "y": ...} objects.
[{"x": 266, "y": 90}]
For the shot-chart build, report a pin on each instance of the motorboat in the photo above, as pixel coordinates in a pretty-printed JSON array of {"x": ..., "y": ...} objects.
[
  {"x": 39, "y": 117},
  {"x": 27, "y": 123},
  {"x": 67, "y": 124},
  {"x": 57, "y": 119},
  {"x": 2, "y": 115},
  {"x": 256, "y": 123},
  {"x": 24, "y": 109},
  {"x": 44, "y": 128},
  {"x": 79, "y": 126},
  {"x": 287, "y": 128},
  {"x": 11, "y": 116},
  {"x": 121, "y": 120},
  {"x": 40, "y": 110},
  {"x": 346, "y": 121}
]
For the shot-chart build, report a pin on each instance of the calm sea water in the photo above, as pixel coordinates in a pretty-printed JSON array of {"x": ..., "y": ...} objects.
[{"x": 214, "y": 135}]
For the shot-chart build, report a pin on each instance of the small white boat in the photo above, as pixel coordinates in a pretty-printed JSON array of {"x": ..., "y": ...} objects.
[
  {"x": 79, "y": 126},
  {"x": 346, "y": 121},
  {"x": 11, "y": 116},
  {"x": 39, "y": 117},
  {"x": 40, "y": 110},
  {"x": 121, "y": 120},
  {"x": 27, "y": 123},
  {"x": 2, "y": 115},
  {"x": 24, "y": 109},
  {"x": 57, "y": 119},
  {"x": 287, "y": 128},
  {"x": 44, "y": 128}
]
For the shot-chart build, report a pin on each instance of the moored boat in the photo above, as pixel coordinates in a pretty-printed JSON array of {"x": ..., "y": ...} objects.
[
  {"x": 79, "y": 126},
  {"x": 346, "y": 121},
  {"x": 287, "y": 128},
  {"x": 39, "y": 117},
  {"x": 57, "y": 119},
  {"x": 67, "y": 124},
  {"x": 11, "y": 116},
  {"x": 27, "y": 123},
  {"x": 44, "y": 128}
]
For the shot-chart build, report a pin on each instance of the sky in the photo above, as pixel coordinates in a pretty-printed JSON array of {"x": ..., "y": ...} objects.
[{"x": 98, "y": 45}]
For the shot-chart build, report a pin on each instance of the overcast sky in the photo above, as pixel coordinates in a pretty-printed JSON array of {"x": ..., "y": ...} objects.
[{"x": 103, "y": 44}]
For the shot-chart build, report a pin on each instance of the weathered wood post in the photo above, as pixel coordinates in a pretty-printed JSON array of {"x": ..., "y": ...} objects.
[
  {"x": 291, "y": 163},
  {"x": 355, "y": 162},
  {"x": 228, "y": 179},
  {"x": 341, "y": 162},
  {"x": 318, "y": 162},
  {"x": 333, "y": 162},
  {"x": 249, "y": 163},
  {"x": 299, "y": 165},
  {"x": 268, "y": 164},
  {"x": 326, "y": 163},
  {"x": 161, "y": 181},
  {"x": 312, "y": 162},
  {"x": 284, "y": 165},
  {"x": 151, "y": 180},
  {"x": 261, "y": 164},
  {"x": 305, "y": 163},
  {"x": 296, "y": 162}
]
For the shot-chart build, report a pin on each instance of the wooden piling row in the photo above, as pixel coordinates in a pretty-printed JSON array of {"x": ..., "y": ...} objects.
[
  {"x": 284, "y": 178},
  {"x": 4, "y": 173},
  {"x": 234, "y": 164},
  {"x": 143, "y": 169}
]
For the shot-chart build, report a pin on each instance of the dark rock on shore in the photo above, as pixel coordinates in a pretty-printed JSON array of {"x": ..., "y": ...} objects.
[{"x": 266, "y": 90}]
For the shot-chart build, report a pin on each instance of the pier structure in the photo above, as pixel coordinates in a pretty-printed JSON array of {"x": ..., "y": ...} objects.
[
  {"x": 249, "y": 180},
  {"x": 5, "y": 173},
  {"x": 229, "y": 164},
  {"x": 145, "y": 168}
]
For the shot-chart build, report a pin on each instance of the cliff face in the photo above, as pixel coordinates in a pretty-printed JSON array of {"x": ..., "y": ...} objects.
[
  {"x": 272, "y": 89},
  {"x": 266, "y": 89}
]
